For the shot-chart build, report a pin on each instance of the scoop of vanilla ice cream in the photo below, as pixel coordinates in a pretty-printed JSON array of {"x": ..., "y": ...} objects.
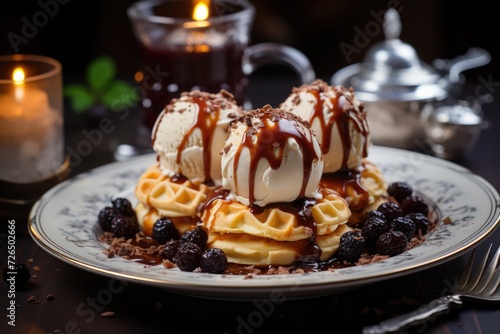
[
  {"x": 337, "y": 118},
  {"x": 271, "y": 156},
  {"x": 189, "y": 134}
]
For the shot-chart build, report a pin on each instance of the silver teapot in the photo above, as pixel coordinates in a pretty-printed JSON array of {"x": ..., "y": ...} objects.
[{"x": 398, "y": 88}]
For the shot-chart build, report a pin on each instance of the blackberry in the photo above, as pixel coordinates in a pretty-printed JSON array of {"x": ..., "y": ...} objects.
[
  {"x": 188, "y": 256},
  {"x": 421, "y": 221},
  {"x": 405, "y": 225},
  {"x": 413, "y": 204},
  {"x": 164, "y": 230},
  {"x": 123, "y": 206},
  {"x": 123, "y": 226},
  {"x": 213, "y": 261},
  {"x": 392, "y": 243},
  {"x": 197, "y": 236},
  {"x": 105, "y": 217},
  {"x": 390, "y": 210},
  {"x": 351, "y": 246},
  {"x": 373, "y": 228},
  {"x": 21, "y": 276},
  {"x": 171, "y": 248},
  {"x": 399, "y": 190}
]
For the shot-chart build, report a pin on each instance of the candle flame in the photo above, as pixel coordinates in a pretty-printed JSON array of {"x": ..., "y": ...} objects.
[
  {"x": 201, "y": 11},
  {"x": 18, "y": 75}
]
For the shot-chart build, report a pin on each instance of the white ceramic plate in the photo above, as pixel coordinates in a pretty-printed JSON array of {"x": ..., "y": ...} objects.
[{"x": 64, "y": 223}]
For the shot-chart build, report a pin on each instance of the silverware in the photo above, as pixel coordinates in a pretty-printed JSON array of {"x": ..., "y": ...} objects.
[{"x": 482, "y": 286}]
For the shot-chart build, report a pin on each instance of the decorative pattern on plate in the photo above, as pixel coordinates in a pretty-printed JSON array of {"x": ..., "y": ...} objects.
[{"x": 63, "y": 223}]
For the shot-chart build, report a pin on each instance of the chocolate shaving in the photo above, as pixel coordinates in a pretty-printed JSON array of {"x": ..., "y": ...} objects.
[{"x": 107, "y": 314}]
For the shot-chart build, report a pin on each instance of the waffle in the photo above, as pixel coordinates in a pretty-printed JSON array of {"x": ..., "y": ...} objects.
[
  {"x": 274, "y": 235},
  {"x": 159, "y": 195},
  {"x": 373, "y": 180},
  {"x": 373, "y": 190},
  {"x": 226, "y": 216},
  {"x": 252, "y": 250}
]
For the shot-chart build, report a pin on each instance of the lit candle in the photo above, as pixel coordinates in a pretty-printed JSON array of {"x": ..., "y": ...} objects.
[
  {"x": 31, "y": 138},
  {"x": 201, "y": 11},
  {"x": 200, "y": 38},
  {"x": 197, "y": 36},
  {"x": 25, "y": 103}
]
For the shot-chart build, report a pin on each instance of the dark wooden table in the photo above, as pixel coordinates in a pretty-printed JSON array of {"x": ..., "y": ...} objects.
[{"x": 80, "y": 297}]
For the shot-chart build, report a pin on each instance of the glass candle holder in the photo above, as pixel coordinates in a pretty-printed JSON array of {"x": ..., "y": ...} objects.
[{"x": 31, "y": 129}]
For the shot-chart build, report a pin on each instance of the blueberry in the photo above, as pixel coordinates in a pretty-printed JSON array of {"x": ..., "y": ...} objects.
[
  {"x": 405, "y": 225},
  {"x": 390, "y": 210},
  {"x": 351, "y": 246},
  {"x": 164, "y": 230},
  {"x": 392, "y": 243},
  {"x": 373, "y": 228},
  {"x": 123, "y": 226},
  {"x": 170, "y": 250},
  {"x": 213, "y": 261},
  {"x": 197, "y": 236},
  {"x": 123, "y": 206},
  {"x": 105, "y": 217},
  {"x": 421, "y": 221},
  {"x": 414, "y": 204},
  {"x": 374, "y": 213},
  {"x": 399, "y": 190},
  {"x": 188, "y": 256}
]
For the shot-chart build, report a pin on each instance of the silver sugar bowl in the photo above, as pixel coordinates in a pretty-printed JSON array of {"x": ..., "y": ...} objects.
[
  {"x": 396, "y": 86},
  {"x": 452, "y": 130}
]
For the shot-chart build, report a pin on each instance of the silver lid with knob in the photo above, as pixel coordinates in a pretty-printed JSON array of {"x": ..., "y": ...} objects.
[{"x": 392, "y": 71}]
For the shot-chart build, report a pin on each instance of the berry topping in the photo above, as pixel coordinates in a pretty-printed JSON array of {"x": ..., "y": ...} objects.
[
  {"x": 390, "y": 210},
  {"x": 164, "y": 230},
  {"x": 351, "y": 246},
  {"x": 197, "y": 236},
  {"x": 405, "y": 225},
  {"x": 123, "y": 226},
  {"x": 213, "y": 261},
  {"x": 373, "y": 228},
  {"x": 414, "y": 203},
  {"x": 105, "y": 217},
  {"x": 188, "y": 256},
  {"x": 123, "y": 206},
  {"x": 21, "y": 276},
  {"x": 421, "y": 221},
  {"x": 392, "y": 243},
  {"x": 399, "y": 190},
  {"x": 171, "y": 248}
]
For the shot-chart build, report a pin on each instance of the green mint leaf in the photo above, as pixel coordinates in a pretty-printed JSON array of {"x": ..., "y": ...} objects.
[
  {"x": 100, "y": 73},
  {"x": 80, "y": 97},
  {"x": 119, "y": 94}
]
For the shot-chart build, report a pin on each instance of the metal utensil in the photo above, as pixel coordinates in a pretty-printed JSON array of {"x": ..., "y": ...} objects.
[
  {"x": 481, "y": 287},
  {"x": 396, "y": 85},
  {"x": 452, "y": 130}
]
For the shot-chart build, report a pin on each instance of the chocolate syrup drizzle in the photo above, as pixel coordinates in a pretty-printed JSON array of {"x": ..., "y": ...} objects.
[
  {"x": 268, "y": 140},
  {"x": 343, "y": 113},
  {"x": 206, "y": 119}
]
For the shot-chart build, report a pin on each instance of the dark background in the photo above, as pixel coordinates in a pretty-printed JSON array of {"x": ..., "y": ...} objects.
[{"x": 78, "y": 30}]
